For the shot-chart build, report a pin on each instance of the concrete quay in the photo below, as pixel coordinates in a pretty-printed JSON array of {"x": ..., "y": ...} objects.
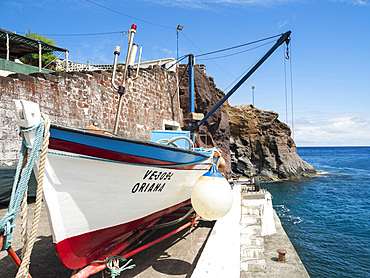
[
  {"x": 259, "y": 256},
  {"x": 242, "y": 244}
]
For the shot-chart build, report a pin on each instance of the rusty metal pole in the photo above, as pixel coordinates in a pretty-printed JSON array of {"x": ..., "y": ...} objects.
[{"x": 15, "y": 258}]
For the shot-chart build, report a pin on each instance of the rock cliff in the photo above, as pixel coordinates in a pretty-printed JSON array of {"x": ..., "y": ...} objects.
[
  {"x": 252, "y": 140},
  {"x": 215, "y": 132},
  {"x": 262, "y": 145}
]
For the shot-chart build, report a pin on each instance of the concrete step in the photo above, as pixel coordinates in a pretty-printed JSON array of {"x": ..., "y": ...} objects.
[
  {"x": 251, "y": 210},
  {"x": 251, "y": 220},
  {"x": 250, "y": 242},
  {"x": 251, "y": 253},
  {"x": 250, "y": 230},
  {"x": 253, "y": 266}
]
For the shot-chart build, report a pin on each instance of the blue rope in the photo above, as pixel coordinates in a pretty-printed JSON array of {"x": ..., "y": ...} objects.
[{"x": 20, "y": 183}]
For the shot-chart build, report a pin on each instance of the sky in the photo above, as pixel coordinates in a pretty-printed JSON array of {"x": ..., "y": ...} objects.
[{"x": 322, "y": 91}]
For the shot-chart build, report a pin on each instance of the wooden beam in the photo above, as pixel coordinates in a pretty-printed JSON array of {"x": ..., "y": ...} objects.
[
  {"x": 7, "y": 46},
  {"x": 40, "y": 61}
]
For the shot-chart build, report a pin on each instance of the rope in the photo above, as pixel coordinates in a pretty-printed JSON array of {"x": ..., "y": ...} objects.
[
  {"x": 164, "y": 225},
  {"x": 24, "y": 268},
  {"x": 7, "y": 223},
  {"x": 24, "y": 222},
  {"x": 291, "y": 87},
  {"x": 24, "y": 211},
  {"x": 172, "y": 141},
  {"x": 113, "y": 265}
]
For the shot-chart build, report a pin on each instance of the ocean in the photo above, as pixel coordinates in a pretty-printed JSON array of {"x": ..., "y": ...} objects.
[{"x": 327, "y": 217}]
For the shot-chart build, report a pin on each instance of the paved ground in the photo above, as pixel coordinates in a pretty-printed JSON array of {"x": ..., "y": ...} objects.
[{"x": 175, "y": 257}]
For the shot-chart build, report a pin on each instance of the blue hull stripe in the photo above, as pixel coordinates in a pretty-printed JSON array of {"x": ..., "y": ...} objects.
[{"x": 128, "y": 146}]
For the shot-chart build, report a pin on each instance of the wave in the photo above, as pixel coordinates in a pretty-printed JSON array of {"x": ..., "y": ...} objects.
[{"x": 284, "y": 214}]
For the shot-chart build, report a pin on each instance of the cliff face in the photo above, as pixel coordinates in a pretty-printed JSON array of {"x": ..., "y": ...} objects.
[
  {"x": 215, "y": 132},
  {"x": 262, "y": 145},
  {"x": 252, "y": 140}
]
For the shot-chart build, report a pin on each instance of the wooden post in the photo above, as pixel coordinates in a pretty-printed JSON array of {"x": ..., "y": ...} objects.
[
  {"x": 7, "y": 47},
  {"x": 66, "y": 61},
  {"x": 40, "y": 61}
]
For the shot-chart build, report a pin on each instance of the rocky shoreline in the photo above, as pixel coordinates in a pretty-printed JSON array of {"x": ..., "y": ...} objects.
[{"x": 253, "y": 141}]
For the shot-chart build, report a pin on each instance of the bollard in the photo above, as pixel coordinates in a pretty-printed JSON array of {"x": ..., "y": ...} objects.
[{"x": 281, "y": 258}]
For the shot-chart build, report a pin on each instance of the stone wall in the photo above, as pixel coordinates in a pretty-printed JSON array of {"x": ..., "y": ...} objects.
[{"x": 82, "y": 99}]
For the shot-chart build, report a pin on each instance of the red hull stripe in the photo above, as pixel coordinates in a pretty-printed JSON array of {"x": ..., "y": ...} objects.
[
  {"x": 76, "y": 148},
  {"x": 79, "y": 251}
]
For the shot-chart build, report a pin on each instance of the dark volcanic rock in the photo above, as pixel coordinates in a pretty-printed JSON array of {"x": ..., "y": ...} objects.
[
  {"x": 262, "y": 145},
  {"x": 206, "y": 97},
  {"x": 252, "y": 140}
]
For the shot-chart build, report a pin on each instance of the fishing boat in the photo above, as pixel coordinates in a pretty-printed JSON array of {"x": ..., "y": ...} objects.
[{"x": 100, "y": 188}]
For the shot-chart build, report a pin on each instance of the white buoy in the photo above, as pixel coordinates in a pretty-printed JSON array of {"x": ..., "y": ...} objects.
[{"x": 211, "y": 196}]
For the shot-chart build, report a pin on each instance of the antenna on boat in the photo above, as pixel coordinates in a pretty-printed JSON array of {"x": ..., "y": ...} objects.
[
  {"x": 130, "y": 58},
  {"x": 138, "y": 63}
]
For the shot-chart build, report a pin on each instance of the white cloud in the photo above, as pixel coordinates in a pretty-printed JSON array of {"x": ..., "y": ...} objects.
[
  {"x": 350, "y": 129},
  {"x": 354, "y": 2},
  {"x": 206, "y": 4},
  {"x": 282, "y": 24},
  {"x": 203, "y": 4}
]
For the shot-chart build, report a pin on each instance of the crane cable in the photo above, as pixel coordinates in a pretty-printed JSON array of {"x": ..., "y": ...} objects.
[{"x": 287, "y": 56}]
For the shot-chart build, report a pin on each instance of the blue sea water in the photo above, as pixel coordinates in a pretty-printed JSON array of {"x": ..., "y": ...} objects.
[{"x": 327, "y": 217}]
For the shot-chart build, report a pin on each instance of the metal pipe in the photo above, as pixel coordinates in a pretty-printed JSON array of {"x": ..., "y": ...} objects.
[
  {"x": 253, "y": 94},
  {"x": 131, "y": 60},
  {"x": 284, "y": 37},
  {"x": 96, "y": 267},
  {"x": 191, "y": 89},
  {"x": 131, "y": 38},
  {"x": 146, "y": 246},
  {"x": 117, "y": 50},
  {"x": 138, "y": 62},
  {"x": 15, "y": 258}
]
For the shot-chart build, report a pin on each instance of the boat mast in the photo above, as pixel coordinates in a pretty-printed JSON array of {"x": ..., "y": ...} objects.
[
  {"x": 283, "y": 38},
  {"x": 121, "y": 89}
]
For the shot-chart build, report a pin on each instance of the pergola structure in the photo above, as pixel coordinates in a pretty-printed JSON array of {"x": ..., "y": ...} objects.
[{"x": 14, "y": 46}]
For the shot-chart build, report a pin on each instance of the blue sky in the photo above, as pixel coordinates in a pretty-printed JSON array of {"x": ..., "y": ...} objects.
[{"x": 330, "y": 51}]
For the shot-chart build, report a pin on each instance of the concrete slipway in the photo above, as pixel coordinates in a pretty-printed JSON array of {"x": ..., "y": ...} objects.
[{"x": 233, "y": 246}]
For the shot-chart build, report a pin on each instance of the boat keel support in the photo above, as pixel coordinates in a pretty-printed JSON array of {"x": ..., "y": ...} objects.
[{"x": 100, "y": 265}]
